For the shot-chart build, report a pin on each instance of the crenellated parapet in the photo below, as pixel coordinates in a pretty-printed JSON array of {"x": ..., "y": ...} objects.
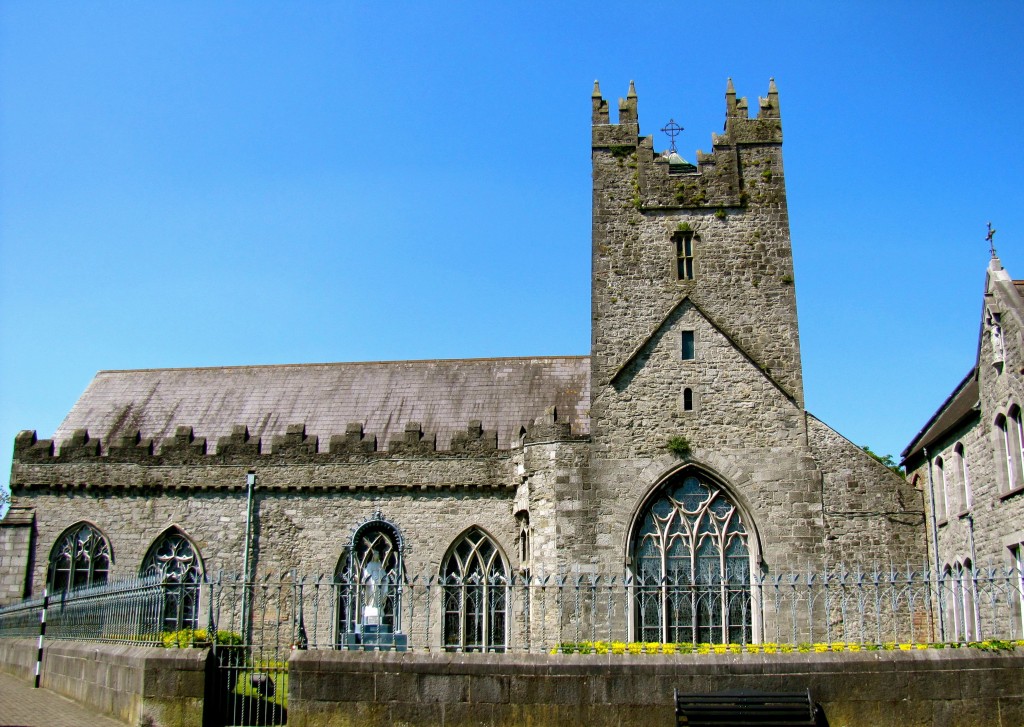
[
  {"x": 548, "y": 428},
  {"x": 475, "y": 439},
  {"x": 295, "y": 442},
  {"x": 130, "y": 447},
  {"x": 413, "y": 442},
  {"x": 724, "y": 178},
  {"x": 79, "y": 446},
  {"x": 353, "y": 441},
  {"x": 27, "y": 448},
  {"x": 183, "y": 447},
  {"x": 295, "y": 446}
]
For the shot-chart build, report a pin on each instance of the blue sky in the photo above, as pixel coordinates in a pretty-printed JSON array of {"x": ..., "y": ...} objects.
[{"x": 197, "y": 183}]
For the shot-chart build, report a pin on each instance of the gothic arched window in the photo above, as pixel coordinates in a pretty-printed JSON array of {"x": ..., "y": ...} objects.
[
  {"x": 80, "y": 558},
  {"x": 174, "y": 560},
  {"x": 368, "y": 580},
  {"x": 475, "y": 595},
  {"x": 691, "y": 565}
]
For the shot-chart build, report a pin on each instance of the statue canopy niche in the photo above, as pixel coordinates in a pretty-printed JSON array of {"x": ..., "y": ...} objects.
[{"x": 369, "y": 582}]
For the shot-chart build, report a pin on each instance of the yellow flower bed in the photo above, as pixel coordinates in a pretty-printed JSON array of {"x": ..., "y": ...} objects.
[{"x": 655, "y": 647}]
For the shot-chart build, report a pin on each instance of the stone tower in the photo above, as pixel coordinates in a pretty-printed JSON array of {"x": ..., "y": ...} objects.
[{"x": 695, "y": 340}]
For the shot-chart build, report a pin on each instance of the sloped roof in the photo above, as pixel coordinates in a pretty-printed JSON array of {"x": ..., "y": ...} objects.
[
  {"x": 962, "y": 403},
  {"x": 442, "y": 395}
]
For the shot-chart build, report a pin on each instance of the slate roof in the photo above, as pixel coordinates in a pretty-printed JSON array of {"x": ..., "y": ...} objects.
[
  {"x": 961, "y": 404},
  {"x": 442, "y": 395}
]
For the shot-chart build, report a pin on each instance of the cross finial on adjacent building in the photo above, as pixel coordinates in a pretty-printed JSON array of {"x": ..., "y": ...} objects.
[
  {"x": 672, "y": 129},
  {"x": 991, "y": 236}
]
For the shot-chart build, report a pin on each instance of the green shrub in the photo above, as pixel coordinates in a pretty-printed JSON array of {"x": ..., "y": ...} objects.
[{"x": 184, "y": 638}]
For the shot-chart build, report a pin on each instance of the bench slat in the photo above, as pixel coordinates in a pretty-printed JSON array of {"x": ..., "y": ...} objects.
[{"x": 786, "y": 709}]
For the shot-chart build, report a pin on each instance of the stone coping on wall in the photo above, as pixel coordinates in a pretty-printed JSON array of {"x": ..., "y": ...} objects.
[
  {"x": 874, "y": 688},
  {"x": 122, "y": 681}
]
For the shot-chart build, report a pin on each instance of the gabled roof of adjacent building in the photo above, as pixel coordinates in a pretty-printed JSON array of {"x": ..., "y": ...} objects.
[
  {"x": 958, "y": 407},
  {"x": 443, "y": 396},
  {"x": 964, "y": 402}
]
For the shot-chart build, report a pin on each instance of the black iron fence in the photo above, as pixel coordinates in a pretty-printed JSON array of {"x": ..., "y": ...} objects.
[{"x": 536, "y": 613}]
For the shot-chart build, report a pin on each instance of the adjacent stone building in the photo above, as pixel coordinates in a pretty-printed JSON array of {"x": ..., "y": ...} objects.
[
  {"x": 679, "y": 451},
  {"x": 969, "y": 461}
]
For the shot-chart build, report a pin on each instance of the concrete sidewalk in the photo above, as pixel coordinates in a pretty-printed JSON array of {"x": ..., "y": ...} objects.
[{"x": 21, "y": 705}]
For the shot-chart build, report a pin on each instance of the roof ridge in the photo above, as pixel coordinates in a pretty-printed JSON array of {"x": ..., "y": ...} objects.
[{"x": 342, "y": 363}]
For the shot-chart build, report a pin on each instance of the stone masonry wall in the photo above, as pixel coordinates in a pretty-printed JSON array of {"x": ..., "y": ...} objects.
[
  {"x": 872, "y": 515},
  {"x": 129, "y": 683},
  {"x": 304, "y": 514},
  {"x": 981, "y": 521},
  {"x": 870, "y": 690},
  {"x": 746, "y": 427},
  {"x": 16, "y": 538}
]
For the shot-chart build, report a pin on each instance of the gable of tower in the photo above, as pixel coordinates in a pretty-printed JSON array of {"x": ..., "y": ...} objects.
[{"x": 690, "y": 376}]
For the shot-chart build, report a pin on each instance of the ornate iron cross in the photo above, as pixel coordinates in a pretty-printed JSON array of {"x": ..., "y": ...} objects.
[
  {"x": 672, "y": 129},
  {"x": 991, "y": 237}
]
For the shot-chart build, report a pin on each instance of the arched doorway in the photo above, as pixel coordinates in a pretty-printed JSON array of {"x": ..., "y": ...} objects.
[{"x": 691, "y": 565}]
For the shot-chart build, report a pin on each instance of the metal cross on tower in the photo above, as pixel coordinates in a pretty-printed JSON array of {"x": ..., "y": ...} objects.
[
  {"x": 991, "y": 236},
  {"x": 672, "y": 129}
]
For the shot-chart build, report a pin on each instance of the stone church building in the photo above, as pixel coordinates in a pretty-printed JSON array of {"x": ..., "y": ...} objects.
[
  {"x": 968, "y": 460},
  {"x": 679, "y": 450}
]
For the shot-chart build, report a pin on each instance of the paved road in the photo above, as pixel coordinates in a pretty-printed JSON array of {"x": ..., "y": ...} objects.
[{"x": 23, "y": 706}]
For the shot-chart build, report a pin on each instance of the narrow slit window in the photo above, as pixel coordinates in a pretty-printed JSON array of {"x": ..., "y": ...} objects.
[
  {"x": 687, "y": 399},
  {"x": 689, "y": 351},
  {"x": 684, "y": 254}
]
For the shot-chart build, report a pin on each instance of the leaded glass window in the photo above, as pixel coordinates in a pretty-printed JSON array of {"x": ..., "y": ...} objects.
[
  {"x": 475, "y": 595},
  {"x": 175, "y": 561},
  {"x": 79, "y": 559},
  {"x": 368, "y": 580},
  {"x": 691, "y": 565}
]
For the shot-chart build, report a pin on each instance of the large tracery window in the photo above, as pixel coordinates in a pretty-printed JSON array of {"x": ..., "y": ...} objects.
[
  {"x": 368, "y": 579},
  {"x": 475, "y": 595},
  {"x": 80, "y": 558},
  {"x": 691, "y": 565},
  {"x": 175, "y": 561}
]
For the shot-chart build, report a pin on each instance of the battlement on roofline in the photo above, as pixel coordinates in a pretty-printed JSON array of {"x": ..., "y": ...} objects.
[
  {"x": 732, "y": 175},
  {"x": 293, "y": 447}
]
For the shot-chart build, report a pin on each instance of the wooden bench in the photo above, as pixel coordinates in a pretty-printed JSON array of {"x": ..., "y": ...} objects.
[{"x": 789, "y": 709}]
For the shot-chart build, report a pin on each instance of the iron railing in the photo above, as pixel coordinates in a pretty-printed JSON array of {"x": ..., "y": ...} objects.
[{"x": 541, "y": 612}]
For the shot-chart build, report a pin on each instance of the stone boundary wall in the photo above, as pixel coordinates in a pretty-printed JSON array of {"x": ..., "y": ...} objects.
[
  {"x": 125, "y": 682},
  {"x": 871, "y": 689}
]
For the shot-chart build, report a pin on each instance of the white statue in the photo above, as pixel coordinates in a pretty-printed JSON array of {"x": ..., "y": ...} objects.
[{"x": 373, "y": 590}]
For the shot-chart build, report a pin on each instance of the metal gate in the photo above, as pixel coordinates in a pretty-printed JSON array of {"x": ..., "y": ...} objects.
[{"x": 256, "y": 629}]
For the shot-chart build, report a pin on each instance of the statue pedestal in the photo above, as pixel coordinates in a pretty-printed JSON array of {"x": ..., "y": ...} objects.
[{"x": 371, "y": 635}]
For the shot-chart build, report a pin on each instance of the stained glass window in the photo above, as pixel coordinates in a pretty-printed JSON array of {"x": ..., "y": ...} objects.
[
  {"x": 80, "y": 558},
  {"x": 174, "y": 560},
  {"x": 692, "y": 567},
  {"x": 475, "y": 595}
]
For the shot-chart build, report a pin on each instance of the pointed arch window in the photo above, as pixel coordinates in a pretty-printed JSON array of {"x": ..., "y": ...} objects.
[
  {"x": 1004, "y": 456},
  {"x": 942, "y": 499},
  {"x": 368, "y": 579},
  {"x": 691, "y": 567},
  {"x": 475, "y": 581},
  {"x": 1015, "y": 447},
  {"x": 963, "y": 476},
  {"x": 79, "y": 559},
  {"x": 175, "y": 561}
]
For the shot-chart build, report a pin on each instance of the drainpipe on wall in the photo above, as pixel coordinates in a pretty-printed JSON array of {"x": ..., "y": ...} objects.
[
  {"x": 935, "y": 548},
  {"x": 250, "y": 483}
]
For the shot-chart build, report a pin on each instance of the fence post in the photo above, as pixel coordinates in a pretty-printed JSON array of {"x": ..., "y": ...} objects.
[{"x": 42, "y": 633}]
